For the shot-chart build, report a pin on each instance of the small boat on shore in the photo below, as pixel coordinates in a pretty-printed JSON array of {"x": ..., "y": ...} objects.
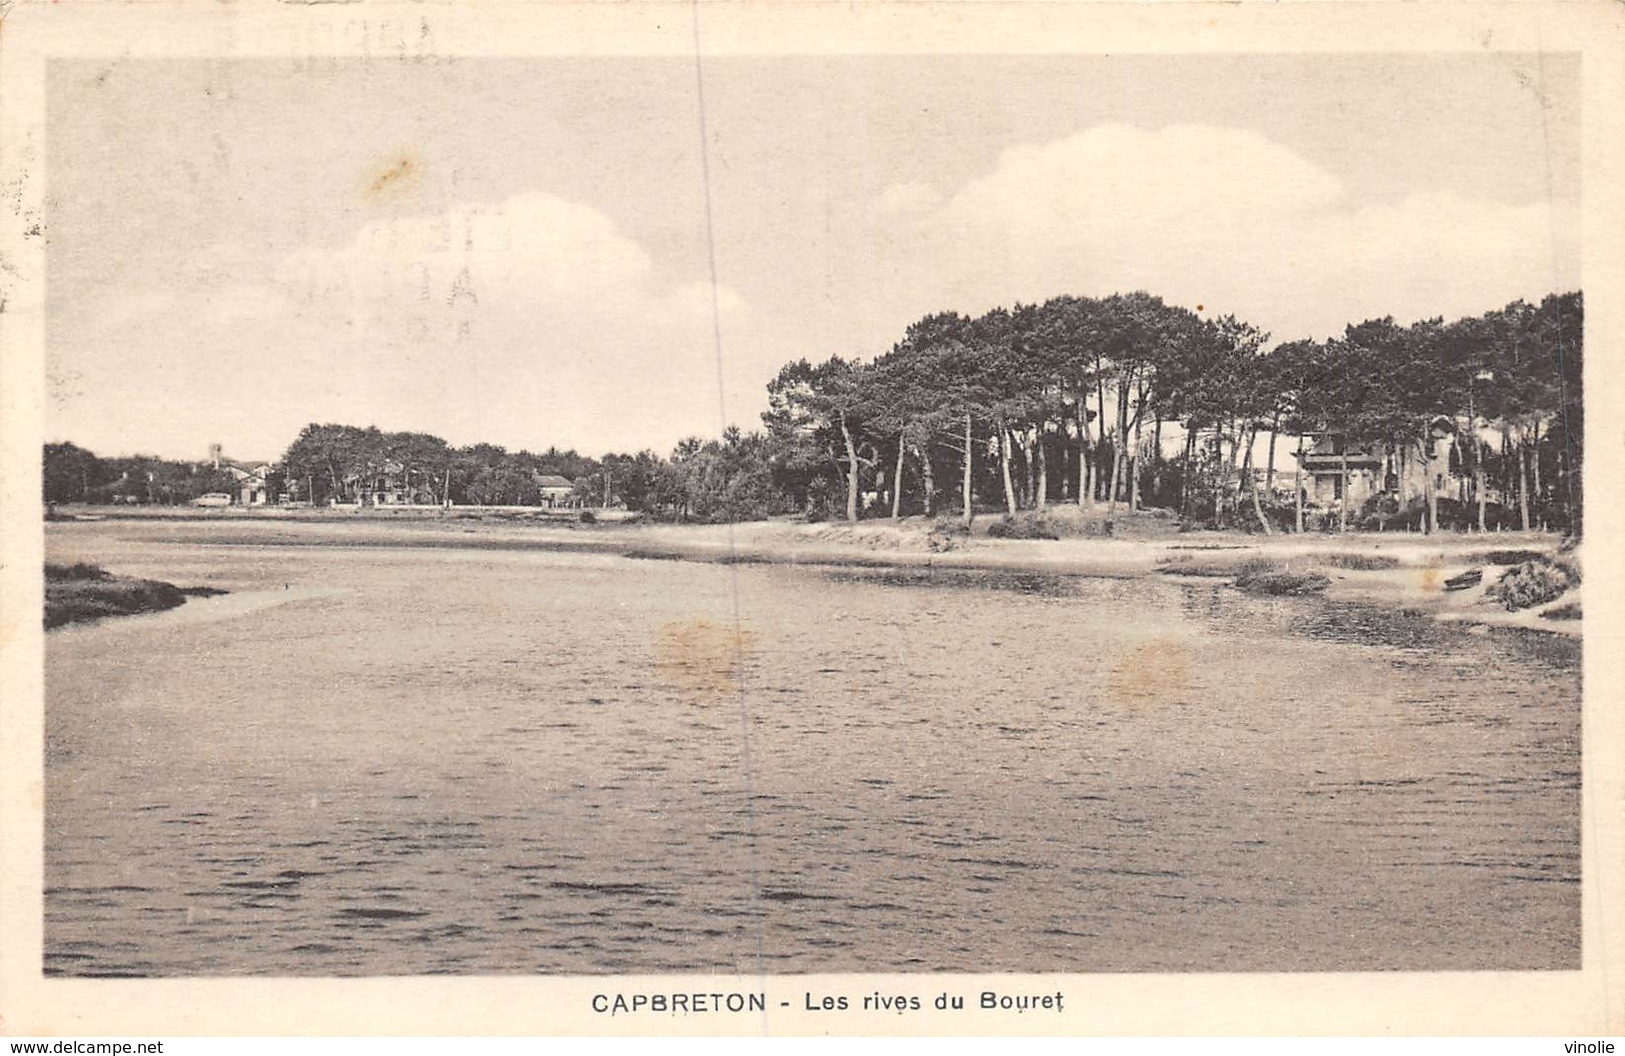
[{"x": 1467, "y": 580}]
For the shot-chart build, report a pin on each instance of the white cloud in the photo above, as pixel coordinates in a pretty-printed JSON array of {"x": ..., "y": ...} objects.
[
  {"x": 1226, "y": 219},
  {"x": 532, "y": 245},
  {"x": 533, "y": 321},
  {"x": 529, "y": 322}
]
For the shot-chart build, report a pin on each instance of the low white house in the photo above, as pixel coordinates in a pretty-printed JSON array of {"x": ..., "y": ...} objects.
[{"x": 556, "y": 490}]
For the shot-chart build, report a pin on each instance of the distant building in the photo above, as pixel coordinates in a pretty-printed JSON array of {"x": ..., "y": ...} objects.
[
  {"x": 252, "y": 478},
  {"x": 1379, "y": 470},
  {"x": 556, "y": 490},
  {"x": 390, "y": 487},
  {"x": 253, "y": 488}
]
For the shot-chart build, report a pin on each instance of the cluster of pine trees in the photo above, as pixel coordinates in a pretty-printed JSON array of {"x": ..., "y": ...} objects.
[{"x": 1128, "y": 400}]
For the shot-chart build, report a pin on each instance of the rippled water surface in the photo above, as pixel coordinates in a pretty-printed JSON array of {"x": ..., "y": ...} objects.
[{"x": 375, "y": 761}]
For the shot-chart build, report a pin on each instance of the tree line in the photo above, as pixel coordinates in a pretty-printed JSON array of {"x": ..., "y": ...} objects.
[
  {"x": 330, "y": 463},
  {"x": 74, "y": 474},
  {"x": 726, "y": 479},
  {"x": 1122, "y": 401}
]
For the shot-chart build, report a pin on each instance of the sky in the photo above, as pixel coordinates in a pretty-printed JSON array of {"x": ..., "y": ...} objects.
[{"x": 521, "y": 251}]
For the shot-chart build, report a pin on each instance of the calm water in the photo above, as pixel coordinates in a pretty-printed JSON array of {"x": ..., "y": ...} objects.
[{"x": 371, "y": 761}]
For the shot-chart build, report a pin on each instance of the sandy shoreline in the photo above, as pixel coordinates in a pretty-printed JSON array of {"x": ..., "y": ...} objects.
[{"x": 1421, "y": 564}]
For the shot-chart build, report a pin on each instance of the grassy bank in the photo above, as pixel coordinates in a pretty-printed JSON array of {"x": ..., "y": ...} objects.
[{"x": 81, "y": 593}]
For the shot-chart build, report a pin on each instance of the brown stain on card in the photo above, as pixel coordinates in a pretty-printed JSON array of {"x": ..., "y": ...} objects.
[
  {"x": 1430, "y": 577},
  {"x": 1152, "y": 671},
  {"x": 701, "y": 656},
  {"x": 396, "y": 176}
]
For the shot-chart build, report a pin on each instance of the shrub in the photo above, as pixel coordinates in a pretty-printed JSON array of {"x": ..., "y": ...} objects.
[
  {"x": 1283, "y": 516},
  {"x": 1569, "y": 567},
  {"x": 1187, "y": 565},
  {"x": 1316, "y": 519},
  {"x": 1255, "y": 574},
  {"x": 77, "y": 571},
  {"x": 1023, "y": 526},
  {"x": 1456, "y": 516},
  {"x": 1376, "y": 513},
  {"x": 1529, "y": 584},
  {"x": 1570, "y": 611},
  {"x": 1511, "y": 557},
  {"x": 588, "y": 517},
  {"x": 1068, "y": 520},
  {"x": 1218, "y": 567},
  {"x": 1283, "y": 583}
]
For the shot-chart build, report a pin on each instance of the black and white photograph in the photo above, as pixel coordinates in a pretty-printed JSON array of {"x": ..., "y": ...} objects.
[{"x": 769, "y": 514}]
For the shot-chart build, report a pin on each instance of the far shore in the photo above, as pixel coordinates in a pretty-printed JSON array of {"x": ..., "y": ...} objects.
[{"x": 1416, "y": 567}]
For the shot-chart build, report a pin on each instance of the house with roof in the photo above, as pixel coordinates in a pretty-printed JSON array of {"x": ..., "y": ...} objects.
[
  {"x": 1378, "y": 469},
  {"x": 252, "y": 480},
  {"x": 390, "y": 486},
  {"x": 556, "y": 491}
]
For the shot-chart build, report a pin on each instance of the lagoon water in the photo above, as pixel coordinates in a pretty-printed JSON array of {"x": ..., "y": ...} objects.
[{"x": 371, "y": 761}]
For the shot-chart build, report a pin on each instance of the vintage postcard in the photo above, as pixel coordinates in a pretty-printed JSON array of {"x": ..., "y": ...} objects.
[{"x": 797, "y": 519}]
